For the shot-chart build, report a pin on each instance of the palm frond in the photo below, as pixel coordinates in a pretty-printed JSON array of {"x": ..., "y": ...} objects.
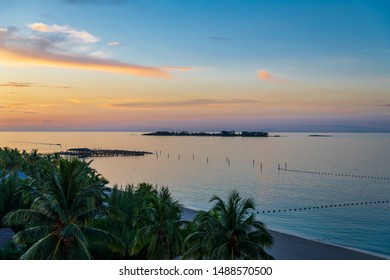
[
  {"x": 31, "y": 235},
  {"x": 48, "y": 206},
  {"x": 27, "y": 217},
  {"x": 95, "y": 235},
  {"x": 41, "y": 250}
]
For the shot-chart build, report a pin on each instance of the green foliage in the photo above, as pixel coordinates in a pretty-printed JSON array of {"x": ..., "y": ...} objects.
[
  {"x": 10, "y": 199},
  {"x": 66, "y": 197},
  {"x": 15, "y": 170},
  {"x": 10, "y": 159},
  {"x": 158, "y": 228},
  {"x": 12, "y": 252},
  {"x": 151, "y": 225},
  {"x": 125, "y": 202},
  {"x": 229, "y": 231}
]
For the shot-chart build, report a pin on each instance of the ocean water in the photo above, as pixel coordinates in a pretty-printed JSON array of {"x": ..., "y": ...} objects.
[{"x": 339, "y": 192}]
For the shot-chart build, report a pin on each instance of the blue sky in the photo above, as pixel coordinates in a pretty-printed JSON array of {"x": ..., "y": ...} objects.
[{"x": 277, "y": 65}]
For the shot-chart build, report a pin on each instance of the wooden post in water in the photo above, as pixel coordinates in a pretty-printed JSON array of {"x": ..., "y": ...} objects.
[
  {"x": 285, "y": 166},
  {"x": 178, "y": 157},
  {"x": 193, "y": 157},
  {"x": 253, "y": 163},
  {"x": 207, "y": 159},
  {"x": 168, "y": 155},
  {"x": 278, "y": 166},
  {"x": 261, "y": 166}
]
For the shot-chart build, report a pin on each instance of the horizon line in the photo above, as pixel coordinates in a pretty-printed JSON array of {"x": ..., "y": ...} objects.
[{"x": 199, "y": 130}]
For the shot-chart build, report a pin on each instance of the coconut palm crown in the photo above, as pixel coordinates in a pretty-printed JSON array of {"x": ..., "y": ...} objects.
[
  {"x": 229, "y": 231},
  {"x": 158, "y": 227},
  {"x": 65, "y": 198}
]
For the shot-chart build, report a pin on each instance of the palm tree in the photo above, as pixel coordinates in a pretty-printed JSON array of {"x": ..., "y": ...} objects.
[
  {"x": 9, "y": 198},
  {"x": 158, "y": 232},
  {"x": 66, "y": 197},
  {"x": 10, "y": 159},
  {"x": 229, "y": 231}
]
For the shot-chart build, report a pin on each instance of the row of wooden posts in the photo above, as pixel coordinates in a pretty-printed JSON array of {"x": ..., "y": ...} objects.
[{"x": 227, "y": 159}]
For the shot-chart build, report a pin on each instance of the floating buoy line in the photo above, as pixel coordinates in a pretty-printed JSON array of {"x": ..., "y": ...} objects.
[
  {"x": 333, "y": 174},
  {"x": 327, "y": 206}
]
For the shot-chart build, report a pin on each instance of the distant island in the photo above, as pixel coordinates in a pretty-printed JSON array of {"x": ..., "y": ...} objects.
[
  {"x": 319, "y": 135},
  {"x": 223, "y": 133}
]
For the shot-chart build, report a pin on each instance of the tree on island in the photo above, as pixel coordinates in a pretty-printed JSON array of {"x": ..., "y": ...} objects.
[
  {"x": 65, "y": 198},
  {"x": 229, "y": 231}
]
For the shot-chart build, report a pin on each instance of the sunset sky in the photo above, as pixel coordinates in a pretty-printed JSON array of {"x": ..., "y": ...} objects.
[{"x": 145, "y": 65}]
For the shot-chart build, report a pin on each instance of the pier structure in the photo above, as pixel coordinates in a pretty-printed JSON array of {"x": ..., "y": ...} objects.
[{"x": 85, "y": 152}]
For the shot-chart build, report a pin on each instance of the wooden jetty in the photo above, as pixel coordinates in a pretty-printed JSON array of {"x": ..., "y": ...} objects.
[{"x": 85, "y": 152}]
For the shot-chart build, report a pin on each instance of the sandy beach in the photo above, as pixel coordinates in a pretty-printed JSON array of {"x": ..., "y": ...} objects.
[{"x": 290, "y": 247}]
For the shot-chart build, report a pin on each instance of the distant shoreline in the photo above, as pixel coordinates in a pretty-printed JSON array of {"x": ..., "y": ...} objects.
[
  {"x": 223, "y": 133},
  {"x": 320, "y": 135}
]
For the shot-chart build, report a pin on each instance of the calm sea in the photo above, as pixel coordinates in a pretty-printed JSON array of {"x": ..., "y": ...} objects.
[{"x": 344, "y": 200}]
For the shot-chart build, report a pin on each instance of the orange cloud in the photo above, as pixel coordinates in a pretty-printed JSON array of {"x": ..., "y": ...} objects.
[
  {"x": 37, "y": 58},
  {"x": 201, "y": 103},
  {"x": 69, "y": 48},
  {"x": 25, "y": 85},
  {"x": 264, "y": 75},
  {"x": 267, "y": 76},
  {"x": 183, "y": 69},
  {"x": 72, "y": 100}
]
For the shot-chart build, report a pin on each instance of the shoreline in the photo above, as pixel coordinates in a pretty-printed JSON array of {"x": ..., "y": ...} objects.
[{"x": 292, "y": 247}]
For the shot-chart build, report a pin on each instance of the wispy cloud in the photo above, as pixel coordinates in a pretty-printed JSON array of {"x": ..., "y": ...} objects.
[
  {"x": 72, "y": 100},
  {"x": 24, "y": 85},
  {"x": 49, "y": 86},
  {"x": 16, "y": 84},
  {"x": 66, "y": 30},
  {"x": 183, "y": 69},
  {"x": 268, "y": 77},
  {"x": 24, "y": 108},
  {"x": 219, "y": 38},
  {"x": 183, "y": 103},
  {"x": 84, "y": 2},
  {"x": 113, "y": 44},
  {"x": 67, "y": 47}
]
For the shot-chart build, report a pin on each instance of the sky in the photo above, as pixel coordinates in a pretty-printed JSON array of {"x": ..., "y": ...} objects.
[{"x": 145, "y": 65}]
